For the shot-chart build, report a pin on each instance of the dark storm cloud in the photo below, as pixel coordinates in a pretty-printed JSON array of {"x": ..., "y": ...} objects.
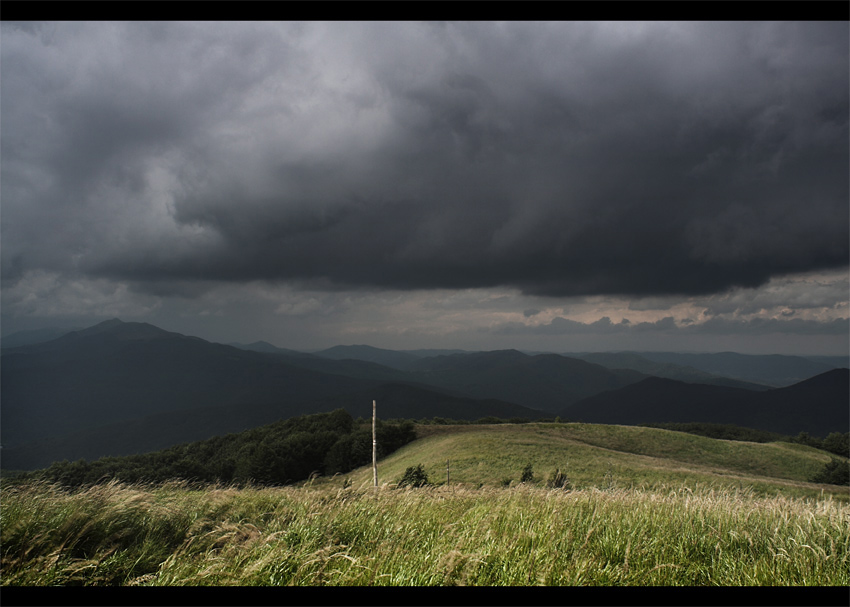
[{"x": 561, "y": 159}]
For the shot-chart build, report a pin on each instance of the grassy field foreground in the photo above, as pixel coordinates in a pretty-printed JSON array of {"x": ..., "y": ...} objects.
[{"x": 115, "y": 534}]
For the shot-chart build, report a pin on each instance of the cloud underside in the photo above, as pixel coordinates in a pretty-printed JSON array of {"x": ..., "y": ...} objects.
[
  {"x": 713, "y": 326},
  {"x": 557, "y": 159}
]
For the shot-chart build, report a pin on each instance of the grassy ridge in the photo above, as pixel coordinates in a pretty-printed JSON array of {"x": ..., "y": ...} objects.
[
  {"x": 596, "y": 455},
  {"x": 137, "y": 535}
]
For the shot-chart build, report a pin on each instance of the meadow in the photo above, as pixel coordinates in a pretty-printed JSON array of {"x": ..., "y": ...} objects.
[
  {"x": 645, "y": 507},
  {"x": 115, "y": 534}
]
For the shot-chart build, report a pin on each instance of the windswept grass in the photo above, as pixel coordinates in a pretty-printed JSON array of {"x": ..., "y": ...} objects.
[
  {"x": 647, "y": 507},
  {"x": 174, "y": 535}
]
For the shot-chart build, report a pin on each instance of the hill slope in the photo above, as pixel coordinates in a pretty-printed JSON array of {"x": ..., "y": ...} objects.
[
  {"x": 545, "y": 381},
  {"x": 163, "y": 430},
  {"x": 601, "y": 455},
  {"x": 28, "y": 338},
  {"x": 773, "y": 370},
  {"x": 389, "y": 358},
  {"x": 266, "y": 347},
  {"x": 118, "y": 371},
  {"x": 630, "y": 360},
  {"x": 817, "y": 406}
]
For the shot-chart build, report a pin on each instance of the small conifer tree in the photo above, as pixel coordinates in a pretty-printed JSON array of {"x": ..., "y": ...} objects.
[{"x": 414, "y": 476}]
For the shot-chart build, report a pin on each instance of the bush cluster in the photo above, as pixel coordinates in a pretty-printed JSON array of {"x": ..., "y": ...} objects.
[
  {"x": 559, "y": 480},
  {"x": 836, "y": 472},
  {"x": 835, "y": 442},
  {"x": 414, "y": 476}
]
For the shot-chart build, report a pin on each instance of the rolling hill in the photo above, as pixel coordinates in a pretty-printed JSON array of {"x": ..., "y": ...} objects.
[
  {"x": 602, "y": 456},
  {"x": 773, "y": 369},
  {"x": 36, "y": 336},
  {"x": 388, "y": 358},
  {"x": 817, "y": 406},
  {"x": 266, "y": 347},
  {"x": 630, "y": 360},
  {"x": 544, "y": 381}
]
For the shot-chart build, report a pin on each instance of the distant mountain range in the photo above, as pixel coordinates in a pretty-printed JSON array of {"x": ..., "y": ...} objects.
[
  {"x": 119, "y": 388},
  {"x": 388, "y": 358},
  {"x": 752, "y": 371},
  {"x": 668, "y": 370},
  {"x": 35, "y": 336},
  {"x": 773, "y": 370},
  {"x": 266, "y": 347},
  {"x": 544, "y": 381},
  {"x": 818, "y": 405}
]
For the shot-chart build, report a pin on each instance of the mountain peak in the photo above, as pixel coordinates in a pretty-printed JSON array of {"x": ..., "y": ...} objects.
[
  {"x": 121, "y": 330},
  {"x": 105, "y": 325},
  {"x": 388, "y": 358}
]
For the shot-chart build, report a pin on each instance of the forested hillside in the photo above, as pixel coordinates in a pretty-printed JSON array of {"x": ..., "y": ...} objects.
[{"x": 275, "y": 454}]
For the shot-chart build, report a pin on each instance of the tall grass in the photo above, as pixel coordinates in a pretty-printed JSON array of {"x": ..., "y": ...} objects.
[{"x": 117, "y": 534}]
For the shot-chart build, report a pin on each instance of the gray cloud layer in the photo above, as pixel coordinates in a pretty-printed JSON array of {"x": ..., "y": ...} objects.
[
  {"x": 716, "y": 326},
  {"x": 562, "y": 159}
]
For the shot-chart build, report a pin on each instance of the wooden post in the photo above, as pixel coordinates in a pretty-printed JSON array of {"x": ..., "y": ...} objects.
[{"x": 374, "y": 450}]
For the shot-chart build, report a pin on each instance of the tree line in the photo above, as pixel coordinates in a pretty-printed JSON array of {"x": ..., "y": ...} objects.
[
  {"x": 835, "y": 442},
  {"x": 292, "y": 450},
  {"x": 280, "y": 453}
]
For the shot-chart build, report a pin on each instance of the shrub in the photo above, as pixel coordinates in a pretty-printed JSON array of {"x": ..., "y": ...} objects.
[
  {"x": 838, "y": 443},
  {"x": 836, "y": 472},
  {"x": 489, "y": 420},
  {"x": 414, "y": 476},
  {"x": 804, "y": 438},
  {"x": 559, "y": 480}
]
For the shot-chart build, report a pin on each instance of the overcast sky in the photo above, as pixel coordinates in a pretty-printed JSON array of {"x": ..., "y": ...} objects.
[{"x": 542, "y": 186}]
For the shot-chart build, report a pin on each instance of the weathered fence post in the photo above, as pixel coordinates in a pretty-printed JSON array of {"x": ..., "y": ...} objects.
[{"x": 374, "y": 450}]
